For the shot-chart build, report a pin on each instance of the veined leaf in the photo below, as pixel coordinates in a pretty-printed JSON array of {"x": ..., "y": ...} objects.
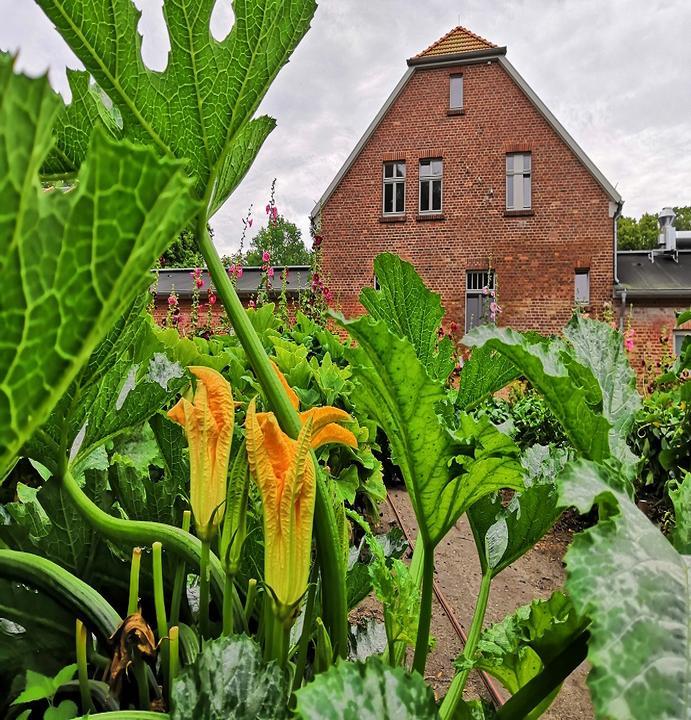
[
  {"x": 230, "y": 681},
  {"x": 409, "y": 310},
  {"x": 367, "y": 691},
  {"x": 570, "y": 389},
  {"x": 599, "y": 347},
  {"x": 517, "y": 649},
  {"x": 76, "y": 259},
  {"x": 634, "y": 586},
  {"x": 503, "y": 534},
  {"x": 485, "y": 372},
  {"x": 200, "y": 107},
  {"x": 680, "y": 495},
  {"x": 394, "y": 388}
]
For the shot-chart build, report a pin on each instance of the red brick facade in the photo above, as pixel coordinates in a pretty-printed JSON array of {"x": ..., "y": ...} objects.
[{"x": 535, "y": 254}]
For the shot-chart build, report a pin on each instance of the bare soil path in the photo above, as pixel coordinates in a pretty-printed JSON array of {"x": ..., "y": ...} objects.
[{"x": 536, "y": 575}]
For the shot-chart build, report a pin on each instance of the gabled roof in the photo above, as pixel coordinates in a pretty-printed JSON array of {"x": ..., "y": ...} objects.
[
  {"x": 458, "y": 40},
  {"x": 662, "y": 279},
  {"x": 460, "y": 46}
]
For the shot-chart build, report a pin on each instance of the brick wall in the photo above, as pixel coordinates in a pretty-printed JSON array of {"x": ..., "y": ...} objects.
[{"x": 535, "y": 256}]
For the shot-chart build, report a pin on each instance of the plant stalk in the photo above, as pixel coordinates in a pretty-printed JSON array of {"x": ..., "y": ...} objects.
[
  {"x": 331, "y": 561},
  {"x": 541, "y": 686},
  {"x": 204, "y": 591},
  {"x": 455, "y": 692},
  {"x": 228, "y": 611},
  {"x": 306, "y": 633},
  {"x": 422, "y": 640},
  {"x": 250, "y": 599},
  {"x": 159, "y": 596},
  {"x": 82, "y": 670},
  {"x": 173, "y": 658},
  {"x": 276, "y": 633},
  {"x": 180, "y": 572},
  {"x": 133, "y": 603}
]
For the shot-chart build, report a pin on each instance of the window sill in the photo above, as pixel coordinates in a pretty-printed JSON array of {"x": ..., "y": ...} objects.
[
  {"x": 430, "y": 216},
  {"x": 392, "y": 218},
  {"x": 519, "y": 213},
  {"x": 455, "y": 111}
]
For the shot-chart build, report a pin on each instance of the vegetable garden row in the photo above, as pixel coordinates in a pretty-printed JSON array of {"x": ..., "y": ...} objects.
[{"x": 185, "y": 523}]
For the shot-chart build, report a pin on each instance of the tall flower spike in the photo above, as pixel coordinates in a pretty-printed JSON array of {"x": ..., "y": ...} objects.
[
  {"x": 285, "y": 474},
  {"x": 208, "y": 423}
]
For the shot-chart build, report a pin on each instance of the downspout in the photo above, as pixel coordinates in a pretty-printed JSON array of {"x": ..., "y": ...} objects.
[{"x": 615, "y": 234}]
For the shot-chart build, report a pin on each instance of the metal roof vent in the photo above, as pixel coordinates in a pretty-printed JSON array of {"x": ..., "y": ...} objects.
[{"x": 667, "y": 239}]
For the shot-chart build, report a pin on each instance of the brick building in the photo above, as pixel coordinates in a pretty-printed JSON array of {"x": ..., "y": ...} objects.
[{"x": 465, "y": 173}]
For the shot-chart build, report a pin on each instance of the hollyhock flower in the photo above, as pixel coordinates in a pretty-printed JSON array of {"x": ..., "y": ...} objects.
[
  {"x": 268, "y": 209},
  {"x": 494, "y": 307},
  {"x": 266, "y": 256},
  {"x": 485, "y": 290},
  {"x": 252, "y": 304},
  {"x": 207, "y": 415},
  {"x": 172, "y": 300},
  {"x": 238, "y": 271},
  {"x": 274, "y": 213},
  {"x": 212, "y": 299},
  {"x": 317, "y": 241},
  {"x": 453, "y": 327},
  {"x": 270, "y": 272},
  {"x": 328, "y": 295},
  {"x": 250, "y": 221}
]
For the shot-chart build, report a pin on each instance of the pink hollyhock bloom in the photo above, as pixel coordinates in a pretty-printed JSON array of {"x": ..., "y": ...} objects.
[
  {"x": 494, "y": 307},
  {"x": 266, "y": 256},
  {"x": 199, "y": 282},
  {"x": 317, "y": 241},
  {"x": 274, "y": 213},
  {"x": 491, "y": 293},
  {"x": 231, "y": 269},
  {"x": 270, "y": 272},
  {"x": 212, "y": 299},
  {"x": 328, "y": 295},
  {"x": 238, "y": 271},
  {"x": 250, "y": 221},
  {"x": 252, "y": 304},
  {"x": 485, "y": 290},
  {"x": 172, "y": 300},
  {"x": 453, "y": 327},
  {"x": 268, "y": 209}
]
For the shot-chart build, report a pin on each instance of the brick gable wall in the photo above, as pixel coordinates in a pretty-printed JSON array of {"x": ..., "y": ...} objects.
[{"x": 535, "y": 256}]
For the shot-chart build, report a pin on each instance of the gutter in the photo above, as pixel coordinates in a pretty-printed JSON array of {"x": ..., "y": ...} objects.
[{"x": 463, "y": 58}]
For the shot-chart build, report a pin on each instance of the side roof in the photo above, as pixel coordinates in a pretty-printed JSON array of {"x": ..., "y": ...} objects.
[{"x": 461, "y": 46}]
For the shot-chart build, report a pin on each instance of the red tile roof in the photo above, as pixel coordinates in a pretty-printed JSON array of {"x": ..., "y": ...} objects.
[{"x": 458, "y": 40}]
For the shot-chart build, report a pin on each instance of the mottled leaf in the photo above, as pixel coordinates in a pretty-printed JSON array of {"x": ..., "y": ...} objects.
[
  {"x": 230, "y": 681},
  {"x": 634, "y": 586},
  {"x": 483, "y": 373},
  {"x": 366, "y": 691},
  {"x": 77, "y": 259}
]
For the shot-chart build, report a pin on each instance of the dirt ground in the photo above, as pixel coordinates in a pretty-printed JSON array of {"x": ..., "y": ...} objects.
[{"x": 536, "y": 575}]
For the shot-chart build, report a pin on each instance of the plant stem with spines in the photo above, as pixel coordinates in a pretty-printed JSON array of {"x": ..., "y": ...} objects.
[
  {"x": 455, "y": 692},
  {"x": 331, "y": 561},
  {"x": 422, "y": 640}
]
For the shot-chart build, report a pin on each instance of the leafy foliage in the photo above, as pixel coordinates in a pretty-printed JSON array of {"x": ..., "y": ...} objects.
[
  {"x": 366, "y": 691},
  {"x": 283, "y": 240},
  {"x": 200, "y": 107},
  {"x": 634, "y": 586},
  {"x": 77, "y": 260},
  {"x": 411, "y": 311},
  {"x": 485, "y": 372},
  {"x": 230, "y": 681}
]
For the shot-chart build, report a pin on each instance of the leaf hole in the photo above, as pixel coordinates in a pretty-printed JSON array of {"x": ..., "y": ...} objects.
[
  {"x": 222, "y": 19},
  {"x": 154, "y": 31}
]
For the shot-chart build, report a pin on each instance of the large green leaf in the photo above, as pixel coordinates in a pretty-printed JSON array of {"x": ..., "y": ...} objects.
[
  {"x": 483, "y": 373},
  {"x": 200, "y": 107},
  {"x": 394, "y": 388},
  {"x": 76, "y": 259},
  {"x": 634, "y": 586},
  {"x": 517, "y": 649},
  {"x": 366, "y": 691},
  {"x": 230, "y": 681},
  {"x": 600, "y": 348},
  {"x": 505, "y": 533},
  {"x": 680, "y": 495},
  {"x": 410, "y": 310},
  {"x": 570, "y": 389}
]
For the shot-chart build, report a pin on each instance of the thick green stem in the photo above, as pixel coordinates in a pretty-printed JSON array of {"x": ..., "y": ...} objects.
[
  {"x": 133, "y": 603},
  {"x": 141, "y": 532},
  {"x": 276, "y": 633},
  {"x": 204, "y": 591},
  {"x": 228, "y": 605},
  {"x": 455, "y": 692},
  {"x": 142, "y": 681},
  {"x": 422, "y": 640},
  {"x": 180, "y": 572},
  {"x": 330, "y": 556},
  {"x": 159, "y": 596},
  {"x": 543, "y": 685},
  {"x": 174, "y": 658},
  {"x": 67, "y": 590},
  {"x": 82, "y": 670},
  {"x": 250, "y": 600}
]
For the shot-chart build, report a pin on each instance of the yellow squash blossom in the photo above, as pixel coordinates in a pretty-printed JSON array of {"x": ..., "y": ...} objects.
[
  {"x": 208, "y": 422},
  {"x": 284, "y": 471}
]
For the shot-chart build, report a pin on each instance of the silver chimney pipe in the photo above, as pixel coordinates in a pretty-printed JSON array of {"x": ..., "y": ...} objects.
[{"x": 667, "y": 239}]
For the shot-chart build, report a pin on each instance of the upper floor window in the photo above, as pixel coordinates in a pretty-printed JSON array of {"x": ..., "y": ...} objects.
[
  {"x": 518, "y": 181},
  {"x": 582, "y": 287},
  {"x": 394, "y": 187},
  {"x": 480, "y": 302},
  {"x": 431, "y": 172},
  {"x": 455, "y": 92}
]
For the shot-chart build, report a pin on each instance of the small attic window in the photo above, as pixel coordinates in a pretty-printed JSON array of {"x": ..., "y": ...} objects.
[{"x": 456, "y": 92}]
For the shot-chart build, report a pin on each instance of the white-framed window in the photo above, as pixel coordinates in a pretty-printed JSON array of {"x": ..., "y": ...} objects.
[
  {"x": 394, "y": 188},
  {"x": 479, "y": 294},
  {"x": 519, "y": 181},
  {"x": 679, "y": 337},
  {"x": 455, "y": 92},
  {"x": 582, "y": 287},
  {"x": 431, "y": 175},
  {"x": 375, "y": 282}
]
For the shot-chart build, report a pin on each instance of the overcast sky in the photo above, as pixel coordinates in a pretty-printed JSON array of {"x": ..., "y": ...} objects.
[{"x": 616, "y": 73}]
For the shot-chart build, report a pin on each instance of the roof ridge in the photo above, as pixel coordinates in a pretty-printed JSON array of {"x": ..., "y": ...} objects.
[{"x": 457, "y": 29}]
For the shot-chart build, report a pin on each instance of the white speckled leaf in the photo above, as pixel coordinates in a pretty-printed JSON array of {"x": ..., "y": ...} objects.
[{"x": 625, "y": 575}]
